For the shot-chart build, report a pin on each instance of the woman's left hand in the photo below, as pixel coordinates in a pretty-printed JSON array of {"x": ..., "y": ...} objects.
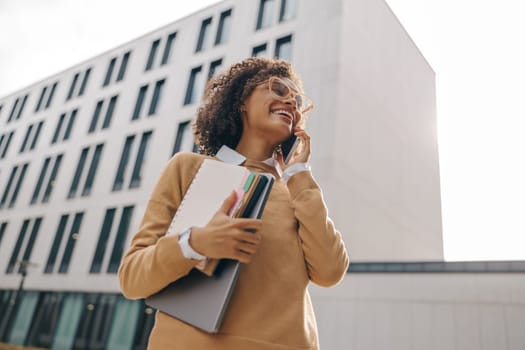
[{"x": 302, "y": 152}]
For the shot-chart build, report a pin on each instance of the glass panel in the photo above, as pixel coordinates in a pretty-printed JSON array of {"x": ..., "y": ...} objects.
[
  {"x": 56, "y": 244},
  {"x": 40, "y": 98},
  {"x": 195, "y": 87},
  {"x": 26, "y": 137},
  {"x": 18, "y": 185},
  {"x": 214, "y": 67},
  {"x": 23, "y": 318},
  {"x": 51, "y": 94},
  {"x": 140, "y": 101},
  {"x": 136, "y": 176},
  {"x": 45, "y": 322},
  {"x": 156, "y": 97},
  {"x": 283, "y": 48},
  {"x": 109, "y": 71},
  {"x": 40, "y": 180},
  {"x": 109, "y": 112},
  {"x": 68, "y": 323},
  {"x": 204, "y": 35},
  {"x": 118, "y": 246},
  {"x": 8, "y": 186},
  {"x": 92, "y": 170},
  {"x": 58, "y": 128},
  {"x": 72, "y": 87},
  {"x": 124, "y": 159},
  {"x": 265, "y": 16},
  {"x": 52, "y": 179},
  {"x": 96, "y": 265},
  {"x": 84, "y": 82},
  {"x": 124, "y": 324},
  {"x": 223, "y": 32},
  {"x": 123, "y": 66},
  {"x": 288, "y": 10},
  {"x": 78, "y": 173},
  {"x": 69, "y": 128},
  {"x": 152, "y": 54},
  {"x": 72, "y": 239},
  {"x": 18, "y": 246},
  {"x": 6, "y": 147},
  {"x": 37, "y": 134},
  {"x": 29, "y": 248},
  {"x": 96, "y": 114},
  {"x": 167, "y": 48},
  {"x": 184, "y": 138}
]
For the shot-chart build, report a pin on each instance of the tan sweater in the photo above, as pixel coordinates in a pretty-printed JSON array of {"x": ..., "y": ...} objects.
[{"x": 270, "y": 307}]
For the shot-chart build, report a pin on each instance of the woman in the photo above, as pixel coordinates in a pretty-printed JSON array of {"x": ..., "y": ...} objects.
[{"x": 247, "y": 112}]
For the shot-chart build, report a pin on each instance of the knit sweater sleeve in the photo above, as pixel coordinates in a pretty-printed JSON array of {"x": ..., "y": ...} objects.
[
  {"x": 324, "y": 250},
  {"x": 155, "y": 259}
]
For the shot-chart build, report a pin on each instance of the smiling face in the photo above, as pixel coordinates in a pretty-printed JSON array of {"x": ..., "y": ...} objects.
[{"x": 267, "y": 116}]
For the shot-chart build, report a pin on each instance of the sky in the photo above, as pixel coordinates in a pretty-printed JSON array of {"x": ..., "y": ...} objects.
[{"x": 474, "y": 46}]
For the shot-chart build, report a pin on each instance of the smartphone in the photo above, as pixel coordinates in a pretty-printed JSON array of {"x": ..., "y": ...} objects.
[{"x": 289, "y": 146}]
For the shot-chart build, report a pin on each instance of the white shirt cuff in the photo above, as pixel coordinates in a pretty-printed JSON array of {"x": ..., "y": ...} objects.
[{"x": 294, "y": 169}]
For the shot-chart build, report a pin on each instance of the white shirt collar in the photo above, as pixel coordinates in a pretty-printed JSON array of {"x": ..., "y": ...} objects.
[{"x": 231, "y": 156}]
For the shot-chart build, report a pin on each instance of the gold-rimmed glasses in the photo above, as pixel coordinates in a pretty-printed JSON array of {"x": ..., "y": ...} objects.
[{"x": 283, "y": 88}]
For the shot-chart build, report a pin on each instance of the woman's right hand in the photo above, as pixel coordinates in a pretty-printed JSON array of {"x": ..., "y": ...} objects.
[{"x": 227, "y": 237}]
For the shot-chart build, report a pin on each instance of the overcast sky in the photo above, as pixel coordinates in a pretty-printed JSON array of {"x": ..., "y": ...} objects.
[{"x": 476, "y": 48}]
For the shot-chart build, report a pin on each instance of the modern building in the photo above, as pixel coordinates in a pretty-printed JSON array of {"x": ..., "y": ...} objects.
[{"x": 81, "y": 150}]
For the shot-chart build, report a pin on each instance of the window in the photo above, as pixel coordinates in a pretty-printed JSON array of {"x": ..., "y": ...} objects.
[
  {"x": 94, "y": 324},
  {"x": 152, "y": 54},
  {"x": 167, "y": 48},
  {"x": 265, "y": 17},
  {"x": 283, "y": 48},
  {"x": 120, "y": 239},
  {"x": 136, "y": 176},
  {"x": 288, "y": 10},
  {"x": 17, "y": 175},
  {"x": 156, "y": 97},
  {"x": 139, "y": 160},
  {"x": 40, "y": 98},
  {"x": 51, "y": 94},
  {"x": 18, "y": 107},
  {"x": 140, "y": 101},
  {"x": 195, "y": 87},
  {"x": 118, "y": 242},
  {"x": 223, "y": 32},
  {"x": 214, "y": 66},
  {"x": 124, "y": 159},
  {"x": 3, "y": 227},
  {"x": 44, "y": 100},
  {"x": 123, "y": 66},
  {"x": 25, "y": 243},
  {"x": 72, "y": 87},
  {"x": 68, "y": 321},
  {"x": 105, "y": 231},
  {"x": 109, "y": 114},
  {"x": 184, "y": 138},
  {"x": 59, "y": 242},
  {"x": 121, "y": 72},
  {"x": 204, "y": 35},
  {"x": 5, "y": 141},
  {"x": 259, "y": 50},
  {"x": 31, "y": 136},
  {"x": 50, "y": 181},
  {"x": 109, "y": 72},
  {"x": 71, "y": 240},
  {"x": 92, "y": 170},
  {"x": 84, "y": 82},
  {"x": 90, "y": 177},
  {"x": 45, "y": 321},
  {"x": 64, "y": 135}
]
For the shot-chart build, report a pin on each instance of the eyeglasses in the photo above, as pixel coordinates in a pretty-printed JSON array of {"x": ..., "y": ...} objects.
[{"x": 283, "y": 88}]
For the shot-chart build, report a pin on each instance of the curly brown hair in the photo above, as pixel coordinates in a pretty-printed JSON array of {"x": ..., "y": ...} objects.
[{"x": 219, "y": 116}]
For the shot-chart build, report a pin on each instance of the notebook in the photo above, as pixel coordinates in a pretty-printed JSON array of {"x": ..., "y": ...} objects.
[{"x": 198, "y": 299}]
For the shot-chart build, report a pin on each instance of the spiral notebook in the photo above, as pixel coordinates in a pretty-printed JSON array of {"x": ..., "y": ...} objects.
[{"x": 198, "y": 299}]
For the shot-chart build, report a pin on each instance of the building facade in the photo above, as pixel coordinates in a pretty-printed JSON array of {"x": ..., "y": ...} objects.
[{"x": 81, "y": 150}]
